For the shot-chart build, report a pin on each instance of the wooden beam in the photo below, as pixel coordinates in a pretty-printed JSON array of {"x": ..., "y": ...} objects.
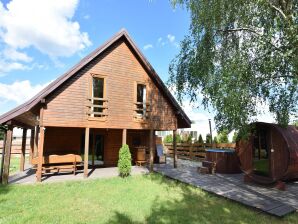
[
  {"x": 86, "y": 153},
  {"x": 35, "y": 152},
  {"x": 2, "y": 157},
  {"x": 175, "y": 148},
  {"x": 124, "y": 136},
  {"x": 7, "y": 155},
  {"x": 40, "y": 146},
  {"x": 23, "y": 149},
  {"x": 93, "y": 149},
  {"x": 40, "y": 154},
  {"x": 151, "y": 148},
  {"x": 32, "y": 135}
]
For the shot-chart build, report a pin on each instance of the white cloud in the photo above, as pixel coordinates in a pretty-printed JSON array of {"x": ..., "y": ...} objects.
[
  {"x": 159, "y": 39},
  {"x": 19, "y": 91},
  {"x": 171, "y": 38},
  {"x": 46, "y": 25},
  {"x": 14, "y": 55},
  {"x": 148, "y": 46},
  {"x": 6, "y": 67}
]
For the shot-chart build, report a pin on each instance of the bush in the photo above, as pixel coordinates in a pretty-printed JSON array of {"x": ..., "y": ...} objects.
[
  {"x": 200, "y": 140},
  {"x": 208, "y": 139},
  {"x": 124, "y": 162},
  {"x": 168, "y": 139}
]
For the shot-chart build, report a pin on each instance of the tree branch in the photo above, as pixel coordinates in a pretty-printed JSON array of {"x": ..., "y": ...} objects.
[
  {"x": 277, "y": 9},
  {"x": 240, "y": 29}
]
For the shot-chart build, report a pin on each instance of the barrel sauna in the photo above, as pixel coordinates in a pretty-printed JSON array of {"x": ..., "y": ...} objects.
[{"x": 270, "y": 153}]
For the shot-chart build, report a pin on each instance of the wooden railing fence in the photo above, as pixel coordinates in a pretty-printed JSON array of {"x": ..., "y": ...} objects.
[
  {"x": 16, "y": 146},
  {"x": 194, "y": 151}
]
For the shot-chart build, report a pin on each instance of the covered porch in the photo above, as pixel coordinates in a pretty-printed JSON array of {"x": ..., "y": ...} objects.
[{"x": 95, "y": 148}]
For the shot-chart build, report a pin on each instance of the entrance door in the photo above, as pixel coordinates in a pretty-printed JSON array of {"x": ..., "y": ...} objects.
[
  {"x": 261, "y": 164},
  {"x": 98, "y": 153}
]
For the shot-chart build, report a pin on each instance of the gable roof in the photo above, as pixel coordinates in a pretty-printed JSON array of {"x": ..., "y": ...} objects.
[{"x": 183, "y": 120}]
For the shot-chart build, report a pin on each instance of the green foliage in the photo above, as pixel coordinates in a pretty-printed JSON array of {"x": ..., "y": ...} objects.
[
  {"x": 178, "y": 138},
  {"x": 208, "y": 139},
  {"x": 235, "y": 137},
  {"x": 240, "y": 54},
  {"x": 124, "y": 162},
  {"x": 215, "y": 140},
  {"x": 223, "y": 137},
  {"x": 2, "y": 131},
  {"x": 168, "y": 139},
  {"x": 1, "y": 134},
  {"x": 186, "y": 138},
  {"x": 200, "y": 140}
]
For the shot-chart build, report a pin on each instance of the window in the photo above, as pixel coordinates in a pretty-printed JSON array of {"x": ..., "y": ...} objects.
[
  {"x": 97, "y": 108},
  {"x": 141, "y": 100}
]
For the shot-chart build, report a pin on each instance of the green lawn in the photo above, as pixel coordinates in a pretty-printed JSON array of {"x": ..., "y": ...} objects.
[
  {"x": 138, "y": 199},
  {"x": 14, "y": 163}
]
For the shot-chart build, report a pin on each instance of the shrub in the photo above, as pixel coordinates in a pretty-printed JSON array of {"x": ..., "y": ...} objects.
[
  {"x": 215, "y": 140},
  {"x": 168, "y": 139},
  {"x": 208, "y": 139},
  {"x": 200, "y": 140},
  {"x": 124, "y": 162}
]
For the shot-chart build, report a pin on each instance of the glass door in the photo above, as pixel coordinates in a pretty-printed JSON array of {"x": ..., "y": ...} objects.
[{"x": 261, "y": 163}]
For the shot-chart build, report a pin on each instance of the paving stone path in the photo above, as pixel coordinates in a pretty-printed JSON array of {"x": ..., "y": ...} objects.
[{"x": 231, "y": 186}]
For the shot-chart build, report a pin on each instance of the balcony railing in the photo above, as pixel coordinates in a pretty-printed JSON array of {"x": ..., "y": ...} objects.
[
  {"x": 142, "y": 110},
  {"x": 97, "y": 107}
]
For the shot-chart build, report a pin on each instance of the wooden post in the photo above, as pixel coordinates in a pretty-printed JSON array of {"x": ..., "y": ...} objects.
[
  {"x": 23, "y": 150},
  {"x": 7, "y": 154},
  {"x": 124, "y": 134},
  {"x": 175, "y": 148},
  {"x": 31, "y": 145},
  {"x": 93, "y": 149},
  {"x": 2, "y": 157},
  {"x": 151, "y": 149},
  {"x": 86, "y": 155},
  {"x": 40, "y": 154},
  {"x": 35, "y": 153}
]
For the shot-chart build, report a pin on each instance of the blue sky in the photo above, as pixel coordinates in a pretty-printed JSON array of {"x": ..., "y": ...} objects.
[{"x": 41, "y": 39}]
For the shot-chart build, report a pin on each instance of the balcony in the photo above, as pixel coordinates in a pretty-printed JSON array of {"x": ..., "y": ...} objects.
[
  {"x": 97, "y": 107},
  {"x": 142, "y": 110}
]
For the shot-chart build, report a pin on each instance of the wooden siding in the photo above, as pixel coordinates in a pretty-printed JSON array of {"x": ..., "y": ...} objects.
[
  {"x": 60, "y": 140},
  {"x": 66, "y": 107}
]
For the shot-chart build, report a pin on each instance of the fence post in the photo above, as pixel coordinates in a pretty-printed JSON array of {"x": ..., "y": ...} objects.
[{"x": 191, "y": 151}]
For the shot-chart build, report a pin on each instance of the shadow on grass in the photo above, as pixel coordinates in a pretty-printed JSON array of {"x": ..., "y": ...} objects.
[{"x": 196, "y": 206}]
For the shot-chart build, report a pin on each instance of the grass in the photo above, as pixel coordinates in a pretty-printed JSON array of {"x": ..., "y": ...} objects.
[
  {"x": 14, "y": 163},
  {"x": 261, "y": 167},
  {"x": 138, "y": 199}
]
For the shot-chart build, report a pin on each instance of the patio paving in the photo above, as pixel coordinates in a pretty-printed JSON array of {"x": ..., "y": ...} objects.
[
  {"x": 28, "y": 175},
  {"x": 231, "y": 186}
]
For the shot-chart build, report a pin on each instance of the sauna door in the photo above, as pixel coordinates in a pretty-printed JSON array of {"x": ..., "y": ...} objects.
[{"x": 261, "y": 148}]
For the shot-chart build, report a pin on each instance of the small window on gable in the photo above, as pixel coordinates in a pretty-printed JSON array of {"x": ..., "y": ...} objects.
[
  {"x": 98, "y": 107},
  {"x": 141, "y": 101}
]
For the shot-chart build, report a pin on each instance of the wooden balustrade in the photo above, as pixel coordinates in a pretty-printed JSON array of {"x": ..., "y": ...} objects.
[
  {"x": 194, "y": 151},
  {"x": 142, "y": 110},
  {"x": 98, "y": 108}
]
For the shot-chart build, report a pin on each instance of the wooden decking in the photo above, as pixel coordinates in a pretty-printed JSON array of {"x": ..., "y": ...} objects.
[{"x": 231, "y": 186}]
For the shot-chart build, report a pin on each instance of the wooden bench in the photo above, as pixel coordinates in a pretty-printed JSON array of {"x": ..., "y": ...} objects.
[{"x": 58, "y": 163}]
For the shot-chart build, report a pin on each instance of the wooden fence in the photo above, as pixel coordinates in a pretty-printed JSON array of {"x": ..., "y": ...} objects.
[
  {"x": 194, "y": 151},
  {"x": 16, "y": 146}
]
